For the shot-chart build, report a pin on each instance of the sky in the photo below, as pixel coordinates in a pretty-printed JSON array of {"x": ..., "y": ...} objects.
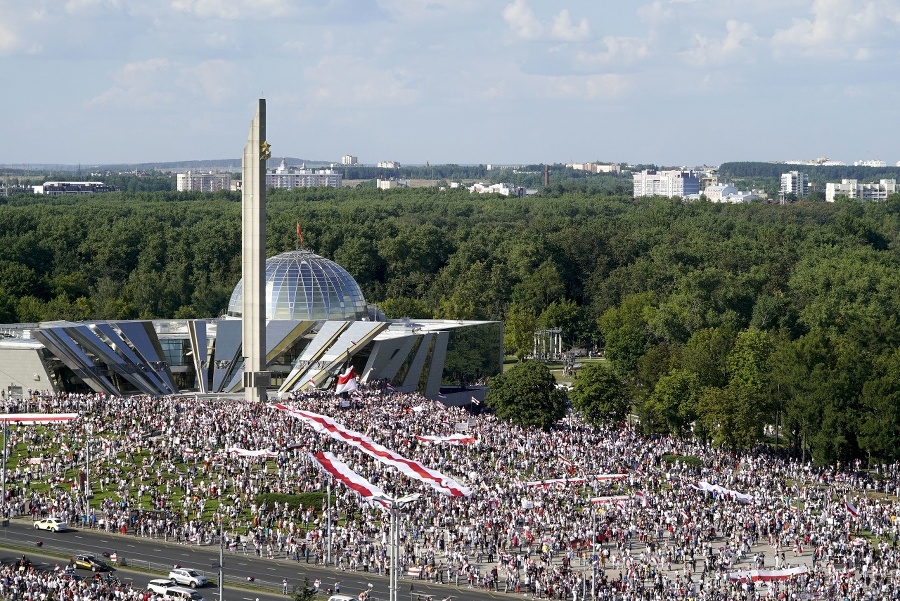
[{"x": 668, "y": 82}]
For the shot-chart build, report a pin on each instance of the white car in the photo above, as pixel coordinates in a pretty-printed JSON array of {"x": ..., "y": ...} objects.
[
  {"x": 160, "y": 585},
  {"x": 188, "y": 577},
  {"x": 52, "y": 524}
]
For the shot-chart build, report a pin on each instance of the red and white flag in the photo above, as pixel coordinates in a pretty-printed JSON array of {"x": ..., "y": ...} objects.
[
  {"x": 768, "y": 575},
  {"x": 851, "y": 508},
  {"x": 450, "y": 439},
  {"x": 246, "y": 453},
  {"x": 407, "y": 467},
  {"x": 342, "y": 473},
  {"x": 346, "y": 381},
  {"x": 37, "y": 418}
]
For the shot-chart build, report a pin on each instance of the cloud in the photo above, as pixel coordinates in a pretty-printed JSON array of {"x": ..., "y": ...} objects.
[
  {"x": 837, "y": 29},
  {"x": 158, "y": 82},
  {"x": 708, "y": 51},
  {"x": 617, "y": 51},
  {"x": 524, "y": 24},
  {"x": 232, "y": 10},
  {"x": 605, "y": 86},
  {"x": 347, "y": 81},
  {"x": 76, "y": 6},
  {"x": 564, "y": 29}
]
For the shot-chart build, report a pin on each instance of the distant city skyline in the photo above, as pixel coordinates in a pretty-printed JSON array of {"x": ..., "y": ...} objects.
[{"x": 667, "y": 82}]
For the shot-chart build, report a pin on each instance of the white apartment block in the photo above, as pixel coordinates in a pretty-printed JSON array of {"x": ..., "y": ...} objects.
[
  {"x": 389, "y": 184},
  {"x": 195, "y": 181},
  {"x": 349, "y": 159},
  {"x": 851, "y": 188},
  {"x": 794, "y": 182},
  {"x": 388, "y": 165},
  {"x": 671, "y": 184},
  {"x": 65, "y": 188},
  {"x": 595, "y": 167},
  {"x": 501, "y": 188},
  {"x": 870, "y": 163}
]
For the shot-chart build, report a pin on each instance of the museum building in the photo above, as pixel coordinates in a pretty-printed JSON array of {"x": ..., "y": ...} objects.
[{"x": 317, "y": 324}]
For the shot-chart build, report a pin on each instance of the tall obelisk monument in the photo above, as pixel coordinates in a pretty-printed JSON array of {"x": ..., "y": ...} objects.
[{"x": 253, "y": 220}]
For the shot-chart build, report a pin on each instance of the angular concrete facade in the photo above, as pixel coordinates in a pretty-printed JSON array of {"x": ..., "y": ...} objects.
[{"x": 205, "y": 355}]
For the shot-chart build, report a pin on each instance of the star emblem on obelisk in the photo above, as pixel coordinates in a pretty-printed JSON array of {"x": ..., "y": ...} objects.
[{"x": 265, "y": 151}]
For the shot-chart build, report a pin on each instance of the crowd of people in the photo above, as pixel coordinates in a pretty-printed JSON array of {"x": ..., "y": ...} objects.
[{"x": 670, "y": 518}]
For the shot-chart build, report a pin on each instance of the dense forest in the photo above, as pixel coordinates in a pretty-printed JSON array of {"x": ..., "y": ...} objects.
[{"x": 740, "y": 323}]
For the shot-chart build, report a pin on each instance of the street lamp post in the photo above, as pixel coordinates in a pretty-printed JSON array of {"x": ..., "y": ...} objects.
[{"x": 394, "y": 505}]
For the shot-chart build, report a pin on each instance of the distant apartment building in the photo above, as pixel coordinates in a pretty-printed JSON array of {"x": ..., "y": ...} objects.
[
  {"x": 796, "y": 183},
  {"x": 349, "y": 159},
  {"x": 851, "y": 188},
  {"x": 64, "y": 188},
  {"x": 388, "y": 165},
  {"x": 595, "y": 167},
  {"x": 671, "y": 184},
  {"x": 726, "y": 193},
  {"x": 287, "y": 178},
  {"x": 199, "y": 181},
  {"x": 390, "y": 184},
  {"x": 502, "y": 189}
]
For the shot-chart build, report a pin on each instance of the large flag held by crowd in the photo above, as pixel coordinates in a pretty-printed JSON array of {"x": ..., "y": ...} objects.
[
  {"x": 412, "y": 469},
  {"x": 449, "y": 439},
  {"x": 767, "y": 575},
  {"x": 346, "y": 382},
  {"x": 342, "y": 473}
]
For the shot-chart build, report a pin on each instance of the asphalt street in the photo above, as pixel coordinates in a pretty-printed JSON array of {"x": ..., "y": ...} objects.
[{"x": 152, "y": 558}]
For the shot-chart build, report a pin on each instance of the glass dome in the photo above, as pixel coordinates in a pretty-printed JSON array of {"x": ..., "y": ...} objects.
[{"x": 303, "y": 285}]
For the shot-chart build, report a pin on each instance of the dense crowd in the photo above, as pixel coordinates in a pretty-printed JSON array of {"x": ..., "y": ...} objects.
[{"x": 660, "y": 535}]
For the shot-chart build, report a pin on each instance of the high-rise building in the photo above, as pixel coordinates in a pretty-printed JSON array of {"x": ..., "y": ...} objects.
[
  {"x": 349, "y": 159},
  {"x": 197, "y": 181},
  {"x": 794, "y": 182},
  {"x": 671, "y": 184}
]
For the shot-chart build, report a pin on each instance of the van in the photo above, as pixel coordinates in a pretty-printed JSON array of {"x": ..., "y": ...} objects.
[{"x": 182, "y": 593}]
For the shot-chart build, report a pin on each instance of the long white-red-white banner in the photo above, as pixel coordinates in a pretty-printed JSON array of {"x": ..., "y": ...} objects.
[
  {"x": 247, "y": 453},
  {"x": 449, "y": 439},
  {"x": 576, "y": 480},
  {"x": 342, "y": 473},
  {"x": 617, "y": 499},
  {"x": 407, "y": 467},
  {"x": 716, "y": 489},
  {"x": 767, "y": 575},
  {"x": 37, "y": 418}
]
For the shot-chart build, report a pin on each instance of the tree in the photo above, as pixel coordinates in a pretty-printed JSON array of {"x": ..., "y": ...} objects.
[
  {"x": 879, "y": 428},
  {"x": 565, "y": 315},
  {"x": 305, "y": 592},
  {"x": 672, "y": 406},
  {"x": 526, "y": 396},
  {"x": 518, "y": 330},
  {"x": 599, "y": 394},
  {"x": 626, "y": 333}
]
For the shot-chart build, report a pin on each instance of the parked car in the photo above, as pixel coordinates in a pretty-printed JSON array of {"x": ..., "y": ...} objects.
[
  {"x": 188, "y": 577},
  {"x": 89, "y": 562},
  {"x": 160, "y": 585},
  {"x": 51, "y": 524}
]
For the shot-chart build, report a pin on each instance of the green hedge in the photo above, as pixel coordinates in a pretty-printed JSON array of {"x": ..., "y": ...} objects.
[
  {"x": 688, "y": 459},
  {"x": 306, "y": 499}
]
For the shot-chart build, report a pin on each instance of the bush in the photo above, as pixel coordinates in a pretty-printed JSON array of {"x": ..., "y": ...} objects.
[
  {"x": 306, "y": 499},
  {"x": 686, "y": 459}
]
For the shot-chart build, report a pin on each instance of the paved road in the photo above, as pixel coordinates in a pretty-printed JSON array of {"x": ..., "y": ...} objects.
[{"x": 157, "y": 556}]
